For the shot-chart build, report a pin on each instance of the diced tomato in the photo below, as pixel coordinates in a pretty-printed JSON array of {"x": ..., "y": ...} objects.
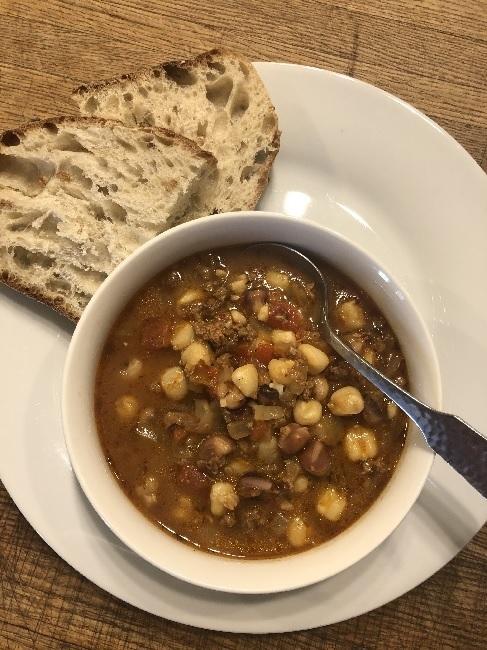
[
  {"x": 156, "y": 333},
  {"x": 191, "y": 478},
  {"x": 284, "y": 316},
  {"x": 205, "y": 375},
  {"x": 261, "y": 431},
  {"x": 263, "y": 353},
  {"x": 242, "y": 353}
]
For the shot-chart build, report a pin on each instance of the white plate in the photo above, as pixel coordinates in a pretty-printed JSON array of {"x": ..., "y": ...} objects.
[{"x": 376, "y": 170}]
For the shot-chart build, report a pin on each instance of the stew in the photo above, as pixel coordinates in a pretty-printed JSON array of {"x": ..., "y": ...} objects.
[{"x": 226, "y": 418}]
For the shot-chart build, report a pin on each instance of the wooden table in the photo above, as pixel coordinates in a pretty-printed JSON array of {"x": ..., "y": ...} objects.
[{"x": 432, "y": 53}]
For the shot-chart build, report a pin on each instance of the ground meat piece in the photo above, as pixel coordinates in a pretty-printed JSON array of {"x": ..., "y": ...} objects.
[
  {"x": 308, "y": 336},
  {"x": 253, "y": 517},
  {"x": 308, "y": 390},
  {"x": 222, "y": 332},
  {"x": 219, "y": 292},
  {"x": 202, "y": 311},
  {"x": 374, "y": 409},
  {"x": 342, "y": 372}
]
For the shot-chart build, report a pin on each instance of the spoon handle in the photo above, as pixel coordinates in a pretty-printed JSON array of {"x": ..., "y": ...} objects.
[{"x": 464, "y": 448}]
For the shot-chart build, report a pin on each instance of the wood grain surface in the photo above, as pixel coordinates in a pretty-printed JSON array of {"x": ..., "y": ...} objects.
[{"x": 432, "y": 53}]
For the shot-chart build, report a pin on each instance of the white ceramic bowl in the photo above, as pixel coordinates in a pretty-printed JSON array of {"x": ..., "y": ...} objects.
[{"x": 100, "y": 486}]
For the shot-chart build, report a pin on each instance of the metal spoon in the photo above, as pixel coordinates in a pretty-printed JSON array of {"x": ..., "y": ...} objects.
[{"x": 464, "y": 448}]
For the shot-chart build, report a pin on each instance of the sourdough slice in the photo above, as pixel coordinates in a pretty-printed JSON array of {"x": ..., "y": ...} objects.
[
  {"x": 77, "y": 195},
  {"x": 218, "y": 100}
]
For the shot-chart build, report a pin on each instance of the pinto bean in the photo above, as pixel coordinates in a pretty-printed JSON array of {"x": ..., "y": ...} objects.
[
  {"x": 215, "y": 447},
  {"x": 293, "y": 437},
  {"x": 186, "y": 420},
  {"x": 253, "y": 485},
  {"x": 315, "y": 459},
  {"x": 256, "y": 299}
]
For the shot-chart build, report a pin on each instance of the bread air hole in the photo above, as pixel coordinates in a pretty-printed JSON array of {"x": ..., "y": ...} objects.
[
  {"x": 93, "y": 276},
  {"x": 49, "y": 225},
  {"x": 50, "y": 127},
  {"x": 108, "y": 210},
  {"x": 269, "y": 123},
  {"x": 261, "y": 156},
  {"x": 143, "y": 115},
  {"x": 68, "y": 142},
  {"x": 165, "y": 140},
  {"x": 58, "y": 285},
  {"x": 115, "y": 211},
  {"x": 10, "y": 139},
  {"x": 25, "y": 259},
  {"x": 244, "y": 68},
  {"x": 21, "y": 220},
  {"x": 220, "y": 123},
  {"x": 180, "y": 76},
  {"x": 246, "y": 173},
  {"x": 240, "y": 102},
  {"x": 201, "y": 130},
  {"x": 29, "y": 175},
  {"x": 69, "y": 173},
  {"x": 82, "y": 299},
  {"x": 126, "y": 145},
  {"x": 219, "y": 91},
  {"x": 219, "y": 67},
  {"x": 134, "y": 170},
  {"x": 91, "y": 105},
  {"x": 142, "y": 91}
]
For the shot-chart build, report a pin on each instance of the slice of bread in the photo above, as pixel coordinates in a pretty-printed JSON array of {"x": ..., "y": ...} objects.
[
  {"x": 77, "y": 195},
  {"x": 218, "y": 100}
]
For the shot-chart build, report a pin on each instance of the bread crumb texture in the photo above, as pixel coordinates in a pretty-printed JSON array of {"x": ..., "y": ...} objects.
[
  {"x": 216, "y": 99},
  {"x": 77, "y": 195}
]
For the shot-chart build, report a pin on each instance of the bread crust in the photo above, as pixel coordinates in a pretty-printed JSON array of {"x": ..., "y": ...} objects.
[
  {"x": 58, "y": 303},
  {"x": 199, "y": 59}
]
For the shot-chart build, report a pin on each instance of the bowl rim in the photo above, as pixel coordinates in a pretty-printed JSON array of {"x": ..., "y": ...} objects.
[{"x": 208, "y": 580}]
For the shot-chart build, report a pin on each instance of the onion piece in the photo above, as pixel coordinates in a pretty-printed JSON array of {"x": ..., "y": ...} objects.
[
  {"x": 267, "y": 412},
  {"x": 204, "y": 414},
  {"x": 239, "y": 429}
]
